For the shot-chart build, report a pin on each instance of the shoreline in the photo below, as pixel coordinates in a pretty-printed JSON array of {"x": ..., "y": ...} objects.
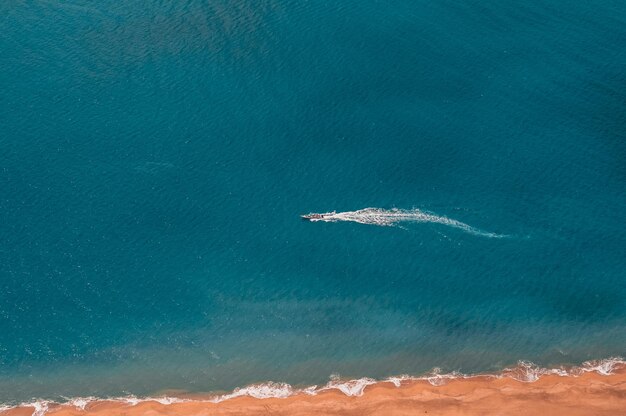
[{"x": 595, "y": 387}]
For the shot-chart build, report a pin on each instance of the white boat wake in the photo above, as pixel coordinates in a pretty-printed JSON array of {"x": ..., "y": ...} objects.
[{"x": 395, "y": 216}]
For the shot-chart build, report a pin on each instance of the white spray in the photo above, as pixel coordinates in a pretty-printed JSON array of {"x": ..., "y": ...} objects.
[{"x": 394, "y": 216}]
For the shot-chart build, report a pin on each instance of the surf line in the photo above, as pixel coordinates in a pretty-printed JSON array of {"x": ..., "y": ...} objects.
[{"x": 395, "y": 216}]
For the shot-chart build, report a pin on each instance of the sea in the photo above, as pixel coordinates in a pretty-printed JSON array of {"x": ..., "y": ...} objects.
[{"x": 469, "y": 158}]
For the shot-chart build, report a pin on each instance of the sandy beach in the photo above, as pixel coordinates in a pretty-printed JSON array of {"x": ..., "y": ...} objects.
[{"x": 586, "y": 393}]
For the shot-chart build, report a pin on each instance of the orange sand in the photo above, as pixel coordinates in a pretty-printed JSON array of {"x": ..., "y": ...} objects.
[{"x": 585, "y": 395}]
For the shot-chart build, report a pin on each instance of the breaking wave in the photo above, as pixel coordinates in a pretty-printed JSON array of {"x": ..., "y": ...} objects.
[
  {"x": 525, "y": 371},
  {"x": 395, "y": 216}
]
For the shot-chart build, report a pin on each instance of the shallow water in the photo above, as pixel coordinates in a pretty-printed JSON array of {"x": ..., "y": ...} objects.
[{"x": 155, "y": 160}]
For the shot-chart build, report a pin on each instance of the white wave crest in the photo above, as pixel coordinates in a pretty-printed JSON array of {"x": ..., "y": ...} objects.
[
  {"x": 397, "y": 380},
  {"x": 81, "y": 402},
  {"x": 167, "y": 400},
  {"x": 133, "y": 401},
  {"x": 259, "y": 391},
  {"x": 605, "y": 367},
  {"x": 40, "y": 407},
  {"x": 349, "y": 387},
  {"x": 394, "y": 216},
  {"x": 435, "y": 378},
  {"x": 529, "y": 372}
]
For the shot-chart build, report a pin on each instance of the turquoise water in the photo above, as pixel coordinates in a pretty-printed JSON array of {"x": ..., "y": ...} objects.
[{"x": 155, "y": 159}]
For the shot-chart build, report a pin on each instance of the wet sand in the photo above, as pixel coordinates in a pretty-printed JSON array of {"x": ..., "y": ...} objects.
[{"x": 587, "y": 394}]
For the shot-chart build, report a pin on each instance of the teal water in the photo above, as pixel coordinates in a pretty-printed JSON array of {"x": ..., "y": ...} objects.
[{"x": 155, "y": 158}]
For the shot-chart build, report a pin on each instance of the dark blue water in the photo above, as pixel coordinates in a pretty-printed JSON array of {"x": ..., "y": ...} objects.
[{"x": 155, "y": 158}]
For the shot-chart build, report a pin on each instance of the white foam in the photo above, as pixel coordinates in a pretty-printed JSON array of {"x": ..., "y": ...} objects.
[
  {"x": 349, "y": 387},
  {"x": 283, "y": 390},
  {"x": 166, "y": 400},
  {"x": 394, "y": 216},
  {"x": 259, "y": 391},
  {"x": 528, "y": 372},
  {"x": 435, "y": 378},
  {"x": 525, "y": 372},
  {"x": 81, "y": 402},
  {"x": 133, "y": 400},
  {"x": 604, "y": 367},
  {"x": 397, "y": 380},
  {"x": 40, "y": 407},
  {"x": 311, "y": 390}
]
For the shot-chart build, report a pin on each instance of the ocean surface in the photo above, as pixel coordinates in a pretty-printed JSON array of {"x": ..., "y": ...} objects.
[{"x": 155, "y": 158}]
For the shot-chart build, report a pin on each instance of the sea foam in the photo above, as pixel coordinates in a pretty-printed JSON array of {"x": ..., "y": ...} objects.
[
  {"x": 259, "y": 391},
  {"x": 349, "y": 387}
]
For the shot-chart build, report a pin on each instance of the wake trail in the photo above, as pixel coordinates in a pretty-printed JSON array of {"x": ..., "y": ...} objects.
[{"x": 395, "y": 216}]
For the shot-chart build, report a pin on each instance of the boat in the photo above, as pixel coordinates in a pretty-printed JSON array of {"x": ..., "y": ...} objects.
[
  {"x": 316, "y": 217},
  {"x": 312, "y": 217}
]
